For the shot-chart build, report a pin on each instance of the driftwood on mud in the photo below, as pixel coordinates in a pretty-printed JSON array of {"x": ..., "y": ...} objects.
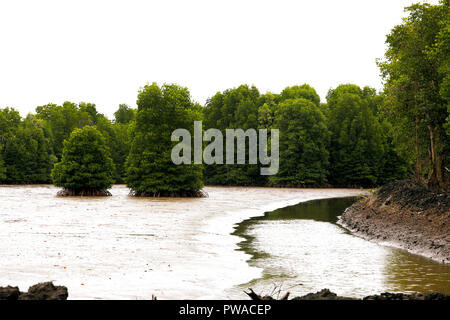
[{"x": 255, "y": 296}]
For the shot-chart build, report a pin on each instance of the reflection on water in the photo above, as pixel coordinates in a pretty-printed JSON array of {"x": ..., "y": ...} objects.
[{"x": 301, "y": 249}]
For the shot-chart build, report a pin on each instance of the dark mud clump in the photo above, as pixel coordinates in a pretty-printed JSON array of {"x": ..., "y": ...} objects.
[
  {"x": 409, "y": 296},
  {"x": 40, "y": 291},
  {"x": 404, "y": 214},
  {"x": 326, "y": 294}
]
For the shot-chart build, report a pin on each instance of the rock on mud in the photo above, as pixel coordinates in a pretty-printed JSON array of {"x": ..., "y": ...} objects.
[
  {"x": 40, "y": 291},
  {"x": 324, "y": 294}
]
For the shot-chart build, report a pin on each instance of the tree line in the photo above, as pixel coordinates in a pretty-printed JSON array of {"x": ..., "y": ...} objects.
[
  {"x": 357, "y": 137},
  {"x": 345, "y": 141},
  {"x": 31, "y": 146}
]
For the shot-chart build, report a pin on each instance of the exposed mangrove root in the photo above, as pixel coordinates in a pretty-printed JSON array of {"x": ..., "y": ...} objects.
[
  {"x": 83, "y": 193},
  {"x": 255, "y": 296},
  {"x": 170, "y": 194}
]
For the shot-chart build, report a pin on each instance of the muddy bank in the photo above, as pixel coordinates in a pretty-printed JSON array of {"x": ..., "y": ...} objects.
[
  {"x": 326, "y": 294},
  {"x": 40, "y": 291},
  {"x": 406, "y": 215}
]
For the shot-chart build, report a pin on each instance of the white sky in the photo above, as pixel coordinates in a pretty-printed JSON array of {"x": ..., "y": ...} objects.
[{"x": 104, "y": 51}]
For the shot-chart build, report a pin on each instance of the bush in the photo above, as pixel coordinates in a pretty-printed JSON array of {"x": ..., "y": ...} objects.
[{"x": 86, "y": 167}]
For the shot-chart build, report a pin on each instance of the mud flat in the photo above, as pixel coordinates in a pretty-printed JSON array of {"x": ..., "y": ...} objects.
[
  {"x": 125, "y": 247},
  {"x": 406, "y": 215}
]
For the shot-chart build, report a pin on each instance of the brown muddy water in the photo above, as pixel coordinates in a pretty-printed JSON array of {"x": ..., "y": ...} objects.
[{"x": 123, "y": 247}]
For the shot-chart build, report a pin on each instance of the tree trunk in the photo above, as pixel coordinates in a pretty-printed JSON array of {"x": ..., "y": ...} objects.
[
  {"x": 435, "y": 177},
  {"x": 418, "y": 170}
]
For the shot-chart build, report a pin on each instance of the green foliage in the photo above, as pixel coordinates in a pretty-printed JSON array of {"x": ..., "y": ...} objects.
[
  {"x": 125, "y": 114},
  {"x": 350, "y": 140},
  {"x": 116, "y": 137},
  {"x": 304, "y": 139},
  {"x": 393, "y": 165},
  {"x": 235, "y": 108},
  {"x": 416, "y": 76},
  {"x": 356, "y": 142},
  {"x": 9, "y": 122},
  {"x": 120, "y": 148},
  {"x": 2, "y": 168},
  {"x": 62, "y": 120},
  {"x": 150, "y": 170},
  {"x": 304, "y": 91},
  {"x": 267, "y": 110},
  {"x": 86, "y": 163},
  {"x": 25, "y": 153},
  {"x": 349, "y": 126}
]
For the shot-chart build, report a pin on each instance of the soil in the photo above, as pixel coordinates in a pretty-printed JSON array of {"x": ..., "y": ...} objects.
[
  {"x": 40, "y": 291},
  {"x": 404, "y": 214},
  {"x": 326, "y": 294}
]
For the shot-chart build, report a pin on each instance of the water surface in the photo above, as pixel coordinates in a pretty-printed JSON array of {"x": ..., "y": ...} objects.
[
  {"x": 302, "y": 249},
  {"x": 123, "y": 247}
]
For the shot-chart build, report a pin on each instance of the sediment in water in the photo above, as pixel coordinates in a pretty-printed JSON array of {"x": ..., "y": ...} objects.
[{"x": 404, "y": 214}]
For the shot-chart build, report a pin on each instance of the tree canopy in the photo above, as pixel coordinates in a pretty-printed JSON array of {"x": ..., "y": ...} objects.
[
  {"x": 150, "y": 170},
  {"x": 26, "y": 154},
  {"x": 236, "y": 108},
  {"x": 415, "y": 70},
  {"x": 356, "y": 142},
  {"x": 349, "y": 140},
  {"x": 125, "y": 114},
  {"x": 86, "y": 167},
  {"x": 304, "y": 140}
]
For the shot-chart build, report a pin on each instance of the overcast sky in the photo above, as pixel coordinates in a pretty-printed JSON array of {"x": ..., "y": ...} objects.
[{"x": 103, "y": 51}]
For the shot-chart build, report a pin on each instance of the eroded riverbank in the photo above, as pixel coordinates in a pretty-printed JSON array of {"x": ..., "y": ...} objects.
[{"x": 406, "y": 215}]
